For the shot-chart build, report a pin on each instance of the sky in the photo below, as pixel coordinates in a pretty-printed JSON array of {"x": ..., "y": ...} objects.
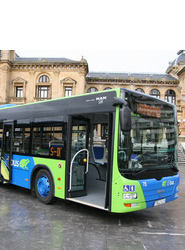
[
  {"x": 114, "y": 36},
  {"x": 134, "y": 61}
]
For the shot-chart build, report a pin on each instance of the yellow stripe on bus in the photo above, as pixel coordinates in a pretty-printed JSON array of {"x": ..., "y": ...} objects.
[{"x": 4, "y": 171}]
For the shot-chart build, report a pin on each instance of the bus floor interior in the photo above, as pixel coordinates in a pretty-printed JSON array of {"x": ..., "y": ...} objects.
[{"x": 95, "y": 186}]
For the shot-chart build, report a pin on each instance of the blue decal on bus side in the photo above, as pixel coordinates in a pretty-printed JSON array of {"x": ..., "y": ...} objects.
[{"x": 21, "y": 170}]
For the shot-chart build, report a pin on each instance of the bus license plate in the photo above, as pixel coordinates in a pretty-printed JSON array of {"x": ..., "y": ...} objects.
[{"x": 159, "y": 202}]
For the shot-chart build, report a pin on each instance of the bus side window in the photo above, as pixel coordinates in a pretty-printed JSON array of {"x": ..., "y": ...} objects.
[
  {"x": 48, "y": 141},
  {"x": 21, "y": 140}
]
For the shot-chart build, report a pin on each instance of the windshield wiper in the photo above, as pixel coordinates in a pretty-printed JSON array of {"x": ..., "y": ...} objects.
[
  {"x": 142, "y": 170},
  {"x": 139, "y": 171}
]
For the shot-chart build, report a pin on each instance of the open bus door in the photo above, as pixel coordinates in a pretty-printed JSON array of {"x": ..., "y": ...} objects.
[
  {"x": 6, "y": 151},
  {"x": 89, "y": 160},
  {"x": 79, "y": 157}
]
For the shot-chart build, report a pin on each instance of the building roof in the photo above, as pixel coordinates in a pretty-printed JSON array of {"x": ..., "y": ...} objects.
[
  {"x": 136, "y": 76},
  {"x": 45, "y": 61},
  {"x": 34, "y": 59},
  {"x": 177, "y": 61}
]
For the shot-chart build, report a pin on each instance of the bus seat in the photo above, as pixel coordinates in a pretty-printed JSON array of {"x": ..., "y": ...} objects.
[
  {"x": 99, "y": 154},
  {"x": 134, "y": 157}
]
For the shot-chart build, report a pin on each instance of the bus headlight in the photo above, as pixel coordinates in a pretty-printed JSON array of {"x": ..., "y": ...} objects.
[
  {"x": 130, "y": 196},
  {"x": 177, "y": 188}
]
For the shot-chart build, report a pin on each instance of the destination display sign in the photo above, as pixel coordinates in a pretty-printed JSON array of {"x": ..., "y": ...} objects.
[
  {"x": 55, "y": 151},
  {"x": 148, "y": 110}
]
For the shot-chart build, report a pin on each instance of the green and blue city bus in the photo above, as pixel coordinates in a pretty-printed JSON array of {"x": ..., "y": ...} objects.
[{"x": 115, "y": 150}]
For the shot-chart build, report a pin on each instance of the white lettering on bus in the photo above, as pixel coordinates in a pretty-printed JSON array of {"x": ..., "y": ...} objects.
[
  {"x": 101, "y": 98},
  {"x": 15, "y": 163}
]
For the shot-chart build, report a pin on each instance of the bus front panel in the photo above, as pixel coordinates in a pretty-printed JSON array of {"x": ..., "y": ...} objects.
[{"x": 145, "y": 172}]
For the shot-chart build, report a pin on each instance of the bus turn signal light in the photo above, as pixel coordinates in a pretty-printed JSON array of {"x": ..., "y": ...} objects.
[
  {"x": 127, "y": 205},
  {"x": 130, "y": 204}
]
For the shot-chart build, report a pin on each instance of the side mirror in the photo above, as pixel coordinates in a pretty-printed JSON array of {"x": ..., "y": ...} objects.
[{"x": 125, "y": 118}]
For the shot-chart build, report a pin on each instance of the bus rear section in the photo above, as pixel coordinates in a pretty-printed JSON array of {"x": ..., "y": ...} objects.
[{"x": 147, "y": 173}]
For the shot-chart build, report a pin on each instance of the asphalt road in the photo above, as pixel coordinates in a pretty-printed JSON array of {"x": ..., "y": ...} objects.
[{"x": 25, "y": 223}]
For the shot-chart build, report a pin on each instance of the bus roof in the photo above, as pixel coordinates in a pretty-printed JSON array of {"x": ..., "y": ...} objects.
[{"x": 58, "y": 109}]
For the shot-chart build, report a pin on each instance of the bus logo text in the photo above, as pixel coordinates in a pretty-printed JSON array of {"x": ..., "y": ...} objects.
[
  {"x": 168, "y": 183},
  {"x": 101, "y": 99}
]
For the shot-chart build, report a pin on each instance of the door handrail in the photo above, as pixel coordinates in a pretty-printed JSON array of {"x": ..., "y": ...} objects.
[{"x": 71, "y": 165}]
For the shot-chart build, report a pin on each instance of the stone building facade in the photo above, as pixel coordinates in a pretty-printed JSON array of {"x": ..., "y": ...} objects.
[{"x": 25, "y": 80}]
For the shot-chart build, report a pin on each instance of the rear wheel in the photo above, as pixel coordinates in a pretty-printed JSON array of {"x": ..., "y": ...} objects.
[{"x": 44, "y": 187}]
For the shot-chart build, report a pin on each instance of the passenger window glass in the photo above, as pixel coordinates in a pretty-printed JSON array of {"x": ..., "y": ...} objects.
[
  {"x": 48, "y": 141},
  {"x": 21, "y": 140}
]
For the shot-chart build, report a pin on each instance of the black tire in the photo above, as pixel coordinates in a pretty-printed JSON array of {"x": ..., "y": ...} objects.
[{"x": 44, "y": 187}]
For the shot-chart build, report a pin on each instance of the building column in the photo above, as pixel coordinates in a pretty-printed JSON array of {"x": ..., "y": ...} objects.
[
  {"x": 5, "y": 83},
  {"x": 31, "y": 87},
  {"x": 55, "y": 86}
]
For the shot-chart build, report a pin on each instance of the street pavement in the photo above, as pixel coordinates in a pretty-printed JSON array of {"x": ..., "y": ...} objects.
[{"x": 25, "y": 223}]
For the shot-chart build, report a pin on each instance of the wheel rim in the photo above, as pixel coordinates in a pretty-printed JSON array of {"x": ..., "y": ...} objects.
[{"x": 43, "y": 186}]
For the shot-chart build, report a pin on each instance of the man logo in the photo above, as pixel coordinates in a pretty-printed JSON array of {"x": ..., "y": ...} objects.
[{"x": 101, "y": 99}]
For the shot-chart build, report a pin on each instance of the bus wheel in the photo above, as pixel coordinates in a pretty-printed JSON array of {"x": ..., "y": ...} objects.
[{"x": 44, "y": 188}]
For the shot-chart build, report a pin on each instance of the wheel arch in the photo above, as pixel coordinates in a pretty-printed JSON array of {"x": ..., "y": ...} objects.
[{"x": 34, "y": 173}]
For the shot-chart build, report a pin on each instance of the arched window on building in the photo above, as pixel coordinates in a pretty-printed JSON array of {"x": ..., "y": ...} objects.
[
  {"x": 43, "y": 88},
  {"x": 170, "y": 96},
  {"x": 155, "y": 93},
  {"x": 140, "y": 90},
  {"x": 44, "y": 78},
  {"x": 107, "y": 88},
  {"x": 92, "y": 89}
]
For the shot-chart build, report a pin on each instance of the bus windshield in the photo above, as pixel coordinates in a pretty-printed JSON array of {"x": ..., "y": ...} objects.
[{"x": 151, "y": 143}]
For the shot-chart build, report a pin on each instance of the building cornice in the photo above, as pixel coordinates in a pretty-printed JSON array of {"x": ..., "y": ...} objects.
[
  {"x": 131, "y": 81},
  {"x": 49, "y": 65}
]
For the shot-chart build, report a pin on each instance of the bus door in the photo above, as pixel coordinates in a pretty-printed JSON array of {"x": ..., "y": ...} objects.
[
  {"x": 79, "y": 157},
  {"x": 6, "y": 151}
]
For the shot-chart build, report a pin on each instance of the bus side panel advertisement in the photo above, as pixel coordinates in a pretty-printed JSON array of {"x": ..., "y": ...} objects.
[{"x": 22, "y": 167}]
